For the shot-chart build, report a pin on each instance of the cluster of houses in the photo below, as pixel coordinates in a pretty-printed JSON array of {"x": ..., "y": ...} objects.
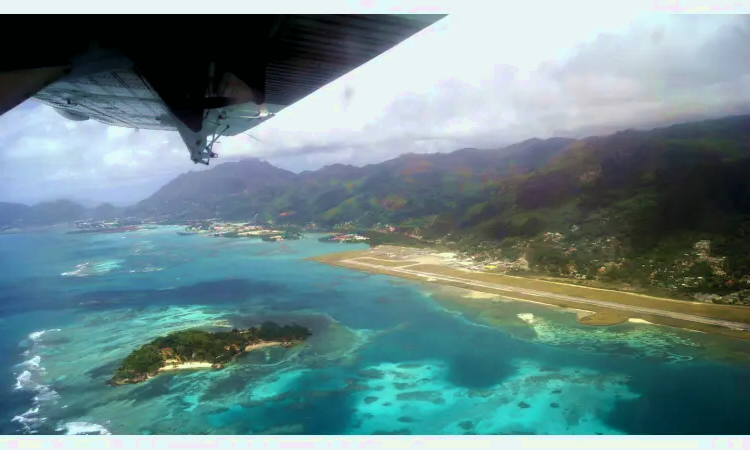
[
  {"x": 101, "y": 224},
  {"x": 85, "y": 225},
  {"x": 343, "y": 238},
  {"x": 243, "y": 229},
  {"x": 481, "y": 262},
  {"x": 240, "y": 229}
]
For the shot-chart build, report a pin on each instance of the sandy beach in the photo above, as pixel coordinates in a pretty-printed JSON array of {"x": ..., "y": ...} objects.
[
  {"x": 259, "y": 345},
  {"x": 633, "y": 320},
  {"x": 170, "y": 364},
  {"x": 187, "y": 365}
]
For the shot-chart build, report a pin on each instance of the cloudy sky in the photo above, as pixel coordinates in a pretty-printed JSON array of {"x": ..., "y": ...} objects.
[{"x": 481, "y": 80}]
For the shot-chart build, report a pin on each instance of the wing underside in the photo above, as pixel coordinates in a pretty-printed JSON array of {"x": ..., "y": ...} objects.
[{"x": 203, "y": 85}]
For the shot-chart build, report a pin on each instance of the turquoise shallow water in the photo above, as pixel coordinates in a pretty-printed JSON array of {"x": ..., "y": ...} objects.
[{"x": 386, "y": 356}]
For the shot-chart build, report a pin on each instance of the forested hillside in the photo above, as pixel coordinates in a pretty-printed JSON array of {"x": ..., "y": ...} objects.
[
  {"x": 666, "y": 208},
  {"x": 410, "y": 186}
]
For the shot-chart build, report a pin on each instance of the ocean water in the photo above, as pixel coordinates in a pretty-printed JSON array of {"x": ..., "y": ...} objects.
[{"x": 387, "y": 356}]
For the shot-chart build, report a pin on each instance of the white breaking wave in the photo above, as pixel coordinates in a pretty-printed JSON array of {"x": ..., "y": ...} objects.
[
  {"x": 38, "y": 334},
  {"x": 25, "y": 415},
  {"x": 29, "y": 380},
  {"x": 32, "y": 363},
  {"x": 74, "y": 428},
  {"x": 23, "y": 380},
  {"x": 45, "y": 394},
  {"x": 28, "y": 421}
]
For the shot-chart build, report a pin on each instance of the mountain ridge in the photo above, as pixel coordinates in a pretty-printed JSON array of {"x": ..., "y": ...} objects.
[
  {"x": 252, "y": 174},
  {"x": 665, "y": 208}
]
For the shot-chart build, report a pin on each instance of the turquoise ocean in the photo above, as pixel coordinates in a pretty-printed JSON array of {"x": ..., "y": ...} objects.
[{"x": 387, "y": 356}]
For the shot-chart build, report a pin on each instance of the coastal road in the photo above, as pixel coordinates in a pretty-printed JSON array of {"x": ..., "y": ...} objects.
[{"x": 501, "y": 287}]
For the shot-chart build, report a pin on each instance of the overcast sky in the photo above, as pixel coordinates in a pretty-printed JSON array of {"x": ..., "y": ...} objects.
[{"x": 481, "y": 80}]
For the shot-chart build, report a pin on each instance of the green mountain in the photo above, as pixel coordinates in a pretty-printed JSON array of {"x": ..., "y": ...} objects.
[
  {"x": 105, "y": 211},
  {"x": 667, "y": 208},
  {"x": 12, "y": 214},
  {"x": 408, "y": 187},
  {"x": 229, "y": 190}
]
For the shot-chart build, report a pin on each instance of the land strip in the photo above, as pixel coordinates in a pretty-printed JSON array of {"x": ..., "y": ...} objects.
[{"x": 720, "y": 319}]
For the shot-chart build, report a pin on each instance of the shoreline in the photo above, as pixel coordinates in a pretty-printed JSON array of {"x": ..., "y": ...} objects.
[
  {"x": 519, "y": 289},
  {"x": 186, "y": 365},
  {"x": 260, "y": 345}
]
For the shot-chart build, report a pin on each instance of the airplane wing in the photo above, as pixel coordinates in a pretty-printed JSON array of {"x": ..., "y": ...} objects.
[{"x": 215, "y": 81}]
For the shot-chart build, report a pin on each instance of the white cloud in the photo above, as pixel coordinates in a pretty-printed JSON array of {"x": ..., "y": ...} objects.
[
  {"x": 471, "y": 80},
  {"x": 506, "y": 78}
]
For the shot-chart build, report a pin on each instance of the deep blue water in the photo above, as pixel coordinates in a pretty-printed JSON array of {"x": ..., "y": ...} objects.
[{"x": 387, "y": 355}]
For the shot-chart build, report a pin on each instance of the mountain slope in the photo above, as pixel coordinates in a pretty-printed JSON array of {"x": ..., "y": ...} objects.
[
  {"x": 231, "y": 190},
  {"x": 12, "y": 214},
  {"x": 665, "y": 208},
  {"x": 410, "y": 186}
]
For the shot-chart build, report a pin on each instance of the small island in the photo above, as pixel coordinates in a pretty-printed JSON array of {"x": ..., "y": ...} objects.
[
  {"x": 193, "y": 348},
  {"x": 289, "y": 235}
]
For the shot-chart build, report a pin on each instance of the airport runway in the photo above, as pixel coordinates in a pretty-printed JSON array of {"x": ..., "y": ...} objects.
[{"x": 500, "y": 287}]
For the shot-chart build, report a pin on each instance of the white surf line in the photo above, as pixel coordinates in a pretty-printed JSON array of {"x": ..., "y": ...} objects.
[{"x": 656, "y": 312}]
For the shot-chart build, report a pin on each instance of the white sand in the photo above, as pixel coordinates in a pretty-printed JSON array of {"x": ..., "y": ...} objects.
[
  {"x": 187, "y": 365},
  {"x": 479, "y": 295},
  {"x": 631, "y": 320},
  {"x": 250, "y": 348},
  {"x": 526, "y": 317}
]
